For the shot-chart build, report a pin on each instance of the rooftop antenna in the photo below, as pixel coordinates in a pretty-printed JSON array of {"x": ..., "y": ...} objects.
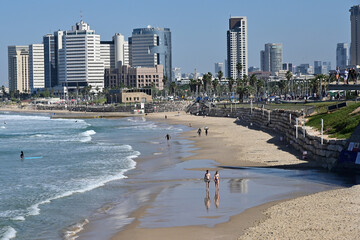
[{"x": 81, "y": 16}]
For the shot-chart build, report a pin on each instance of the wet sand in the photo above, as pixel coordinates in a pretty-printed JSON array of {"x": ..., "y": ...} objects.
[{"x": 230, "y": 144}]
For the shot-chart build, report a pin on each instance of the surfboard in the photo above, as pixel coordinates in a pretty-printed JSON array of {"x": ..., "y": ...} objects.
[{"x": 33, "y": 157}]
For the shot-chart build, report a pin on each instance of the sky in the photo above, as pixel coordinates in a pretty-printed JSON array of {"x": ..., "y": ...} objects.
[{"x": 308, "y": 29}]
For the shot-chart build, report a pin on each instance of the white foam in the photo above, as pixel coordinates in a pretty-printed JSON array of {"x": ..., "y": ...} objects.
[
  {"x": 8, "y": 233},
  {"x": 18, "y": 218},
  {"x": 70, "y": 233},
  {"x": 86, "y": 136},
  {"x": 95, "y": 183},
  {"x": 2, "y": 127}
]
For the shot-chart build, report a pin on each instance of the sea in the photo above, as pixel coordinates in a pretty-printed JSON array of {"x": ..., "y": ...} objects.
[{"x": 66, "y": 167}]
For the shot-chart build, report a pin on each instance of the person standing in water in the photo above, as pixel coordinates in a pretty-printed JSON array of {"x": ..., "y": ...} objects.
[
  {"x": 167, "y": 138},
  {"x": 22, "y": 155},
  {"x": 199, "y": 132},
  {"x": 217, "y": 179},
  {"x": 207, "y": 178},
  {"x": 206, "y": 130}
]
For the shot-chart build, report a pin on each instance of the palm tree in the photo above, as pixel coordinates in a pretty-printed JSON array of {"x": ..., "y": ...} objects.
[
  {"x": 173, "y": 87},
  {"x": 239, "y": 68},
  {"x": 220, "y": 75},
  {"x": 165, "y": 80},
  {"x": 215, "y": 83},
  {"x": 288, "y": 76},
  {"x": 253, "y": 80},
  {"x": 192, "y": 85},
  {"x": 231, "y": 84},
  {"x": 282, "y": 86}
]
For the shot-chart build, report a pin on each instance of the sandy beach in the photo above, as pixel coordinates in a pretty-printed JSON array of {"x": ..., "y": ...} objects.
[
  {"x": 230, "y": 144},
  {"x": 331, "y": 214}
]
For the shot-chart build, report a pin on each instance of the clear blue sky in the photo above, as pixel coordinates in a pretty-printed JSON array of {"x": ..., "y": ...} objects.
[{"x": 308, "y": 29}]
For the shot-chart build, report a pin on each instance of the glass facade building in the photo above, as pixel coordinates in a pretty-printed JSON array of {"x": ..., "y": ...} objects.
[{"x": 151, "y": 46}]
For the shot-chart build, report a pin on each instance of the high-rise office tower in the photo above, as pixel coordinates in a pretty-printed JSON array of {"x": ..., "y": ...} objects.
[
  {"x": 342, "y": 55},
  {"x": 107, "y": 54},
  {"x": 151, "y": 46},
  {"x": 36, "y": 67},
  {"x": 271, "y": 58},
  {"x": 237, "y": 51},
  {"x": 52, "y": 45},
  {"x": 18, "y": 68},
  {"x": 355, "y": 35},
  {"x": 80, "y": 62},
  {"x": 219, "y": 67}
]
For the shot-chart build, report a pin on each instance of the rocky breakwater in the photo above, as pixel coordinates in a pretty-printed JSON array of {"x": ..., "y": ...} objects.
[{"x": 305, "y": 139}]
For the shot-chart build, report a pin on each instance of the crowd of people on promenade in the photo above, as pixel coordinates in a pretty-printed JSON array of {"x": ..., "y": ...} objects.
[{"x": 348, "y": 75}]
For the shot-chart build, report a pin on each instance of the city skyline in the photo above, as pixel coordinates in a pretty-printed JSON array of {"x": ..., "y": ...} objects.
[{"x": 198, "y": 28}]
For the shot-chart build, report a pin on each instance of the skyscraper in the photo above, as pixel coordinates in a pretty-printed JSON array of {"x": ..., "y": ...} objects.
[
  {"x": 151, "y": 46},
  {"x": 219, "y": 67},
  {"x": 18, "y": 68},
  {"x": 355, "y": 35},
  {"x": 237, "y": 51},
  {"x": 80, "y": 62},
  {"x": 36, "y": 66},
  {"x": 52, "y": 45},
  {"x": 342, "y": 55},
  {"x": 271, "y": 58}
]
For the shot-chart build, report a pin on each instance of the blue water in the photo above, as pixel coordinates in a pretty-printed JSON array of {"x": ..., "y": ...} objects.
[{"x": 67, "y": 170}]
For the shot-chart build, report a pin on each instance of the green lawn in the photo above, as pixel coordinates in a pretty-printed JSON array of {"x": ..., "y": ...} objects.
[{"x": 338, "y": 124}]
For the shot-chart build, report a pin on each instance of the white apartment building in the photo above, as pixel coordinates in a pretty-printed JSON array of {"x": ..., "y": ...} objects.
[
  {"x": 18, "y": 68},
  {"x": 80, "y": 62},
  {"x": 107, "y": 54},
  {"x": 237, "y": 50},
  {"x": 36, "y": 67}
]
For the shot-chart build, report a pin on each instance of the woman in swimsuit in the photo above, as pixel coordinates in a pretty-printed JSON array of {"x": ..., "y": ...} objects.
[
  {"x": 216, "y": 179},
  {"x": 207, "y": 178}
]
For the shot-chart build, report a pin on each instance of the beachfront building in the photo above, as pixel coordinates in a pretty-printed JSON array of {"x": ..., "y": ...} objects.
[
  {"x": 80, "y": 63},
  {"x": 237, "y": 50},
  {"x": 355, "y": 35},
  {"x": 271, "y": 58},
  {"x": 342, "y": 55},
  {"x": 52, "y": 45},
  {"x": 18, "y": 69},
  {"x": 135, "y": 77},
  {"x": 36, "y": 67},
  {"x": 149, "y": 47},
  {"x": 114, "y": 53},
  {"x": 176, "y": 74}
]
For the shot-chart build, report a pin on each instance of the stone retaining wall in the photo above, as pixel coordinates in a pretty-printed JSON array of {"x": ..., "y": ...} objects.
[
  {"x": 171, "y": 106},
  {"x": 325, "y": 155}
]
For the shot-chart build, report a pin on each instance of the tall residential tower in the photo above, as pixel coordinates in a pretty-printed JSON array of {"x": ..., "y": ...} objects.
[
  {"x": 237, "y": 51},
  {"x": 80, "y": 62},
  {"x": 355, "y": 35}
]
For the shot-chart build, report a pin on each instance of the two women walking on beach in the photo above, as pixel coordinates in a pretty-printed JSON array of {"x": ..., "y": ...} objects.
[{"x": 207, "y": 178}]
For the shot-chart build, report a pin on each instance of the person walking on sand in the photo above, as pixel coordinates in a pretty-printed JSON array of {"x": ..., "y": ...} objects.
[
  {"x": 199, "y": 132},
  {"x": 206, "y": 128},
  {"x": 207, "y": 178},
  {"x": 217, "y": 180}
]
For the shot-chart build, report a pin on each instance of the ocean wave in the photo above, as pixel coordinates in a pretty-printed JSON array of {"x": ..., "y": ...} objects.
[
  {"x": 86, "y": 136},
  {"x": 7, "y": 233},
  {"x": 92, "y": 184},
  {"x": 137, "y": 120},
  {"x": 2, "y": 127},
  {"x": 70, "y": 232},
  {"x": 23, "y": 117}
]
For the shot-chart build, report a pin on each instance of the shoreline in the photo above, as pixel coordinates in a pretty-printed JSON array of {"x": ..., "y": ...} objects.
[{"x": 253, "y": 223}]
